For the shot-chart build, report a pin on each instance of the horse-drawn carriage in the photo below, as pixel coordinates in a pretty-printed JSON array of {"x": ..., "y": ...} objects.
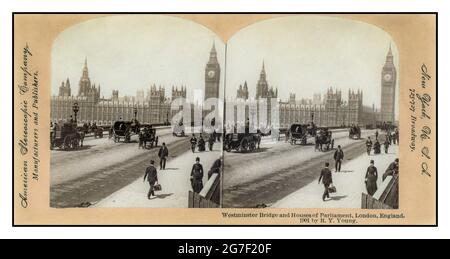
[
  {"x": 300, "y": 133},
  {"x": 178, "y": 129},
  {"x": 354, "y": 132},
  {"x": 242, "y": 142},
  {"x": 67, "y": 136},
  {"x": 148, "y": 136},
  {"x": 124, "y": 129},
  {"x": 323, "y": 138}
]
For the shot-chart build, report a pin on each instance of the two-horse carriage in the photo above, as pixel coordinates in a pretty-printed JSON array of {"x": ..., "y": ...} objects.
[
  {"x": 124, "y": 129},
  {"x": 148, "y": 136},
  {"x": 324, "y": 140},
  {"x": 300, "y": 133},
  {"x": 354, "y": 132},
  {"x": 97, "y": 131},
  {"x": 67, "y": 136},
  {"x": 242, "y": 142}
]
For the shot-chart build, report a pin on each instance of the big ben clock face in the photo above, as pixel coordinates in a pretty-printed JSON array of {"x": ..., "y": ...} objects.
[
  {"x": 387, "y": 77},
  {"x": 211, "y": 73}
]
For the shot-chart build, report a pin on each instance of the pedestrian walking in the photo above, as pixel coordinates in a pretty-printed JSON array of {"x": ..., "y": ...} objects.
[
  {"x": 327, "y": 180},
  {"x": 163, "y": 154},
  {"x": 396, "y": 136},
  {"x": 197, "y": 176},
  {"x": 201, "y": 144},
  {"x": 371, "y": 178},
  {"x": 376, "y": 134},
  {"x": 211, "y": 141},
  {"x": 152, "y": 177},
  {"x": 386, "y": 145},
  {"x": 377, "y": 147},
  {"x": 338, "y": 157},
  {"x": 368, "y": 146},
  {"x": 193, "y": 143}
]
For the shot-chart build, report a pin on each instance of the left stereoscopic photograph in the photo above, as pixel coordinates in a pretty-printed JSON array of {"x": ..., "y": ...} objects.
[{"x": 118, "y": 139}]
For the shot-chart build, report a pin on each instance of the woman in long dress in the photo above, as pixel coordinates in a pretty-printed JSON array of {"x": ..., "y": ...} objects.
[{"x": 371, "y": 178}]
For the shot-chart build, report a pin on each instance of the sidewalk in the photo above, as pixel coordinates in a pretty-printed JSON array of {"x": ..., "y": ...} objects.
[
  {"x": 349, "y": 184},
  {"x": 175, "y": 182}
]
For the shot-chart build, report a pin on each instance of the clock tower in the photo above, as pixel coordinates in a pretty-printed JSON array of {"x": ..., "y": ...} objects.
[
  {"x": 212, "y": 75},
  {"x": 388, "y": 83}
]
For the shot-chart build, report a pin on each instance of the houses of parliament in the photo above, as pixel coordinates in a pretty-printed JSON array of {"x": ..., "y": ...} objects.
[{"x": 328, "y": 109}]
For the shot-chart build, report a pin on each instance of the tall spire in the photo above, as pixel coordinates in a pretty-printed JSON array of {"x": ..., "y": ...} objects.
[
  {"x": 85, "y": 68},
  {"x": 263, "y": 70},
  {"x": 213, "y": 49},
  {"x": 213, "y": 54}
]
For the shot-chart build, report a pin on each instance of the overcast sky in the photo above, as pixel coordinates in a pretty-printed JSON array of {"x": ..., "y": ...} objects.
[
  {"x": 304, "y": 54},
  {"x": 307, "y": 54},
  {"x": 130, "y": 52}
]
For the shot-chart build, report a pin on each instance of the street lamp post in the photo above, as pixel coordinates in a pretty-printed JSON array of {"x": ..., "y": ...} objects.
[
  {"x": 75, "y": 109},
  {"x": 135, "y": 113}
]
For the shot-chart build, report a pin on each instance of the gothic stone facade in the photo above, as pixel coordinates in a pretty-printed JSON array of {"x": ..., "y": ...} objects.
[{"x": 154, "y": 108}]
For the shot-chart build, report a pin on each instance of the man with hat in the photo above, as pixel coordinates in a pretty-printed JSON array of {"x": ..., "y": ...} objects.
[
  {"x": 327, "y": 180},
  {"x": 391, "y": 170},
  {"x": 152, "y": 178}
]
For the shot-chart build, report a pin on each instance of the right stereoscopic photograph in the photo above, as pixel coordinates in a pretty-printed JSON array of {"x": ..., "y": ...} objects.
[{"x": 311, "y": 116}]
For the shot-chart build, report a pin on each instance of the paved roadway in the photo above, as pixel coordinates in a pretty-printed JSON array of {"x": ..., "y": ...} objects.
[
  {"x": 278, "y": 169},
  {"x": 82, "y": 177}
]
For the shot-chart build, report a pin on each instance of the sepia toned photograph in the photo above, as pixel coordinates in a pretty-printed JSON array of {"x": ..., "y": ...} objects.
[
  {"x": 114, "y": 142},
  {"x": 335, "y": 110}
]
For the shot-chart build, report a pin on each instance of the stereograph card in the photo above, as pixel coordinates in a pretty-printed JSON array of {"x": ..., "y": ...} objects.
[{"x": 225, "y": 119}]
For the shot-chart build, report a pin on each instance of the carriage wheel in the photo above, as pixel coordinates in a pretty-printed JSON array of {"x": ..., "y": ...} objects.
[
  {"x": 76, "y": 143},
  {"x": 66, "y": 143},
  {"x": 304, "y": 140}
]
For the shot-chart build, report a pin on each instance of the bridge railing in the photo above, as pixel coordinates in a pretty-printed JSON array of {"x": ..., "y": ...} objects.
[
  {"x": 386, "y": 196},
  {"x": 209, "y": 197}
]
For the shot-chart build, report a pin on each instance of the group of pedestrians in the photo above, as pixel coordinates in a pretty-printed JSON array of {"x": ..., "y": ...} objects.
[
  {"x": 389, "y": 139},
  {"x": 200, "y": 143},
  {"x": 196, "y": 174}
]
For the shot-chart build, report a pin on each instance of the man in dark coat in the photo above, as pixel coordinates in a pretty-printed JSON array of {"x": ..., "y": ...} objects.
[
  {"x": 163, "y": 154},
  {"x": 338, "y": 157},
  {"x": 152, "y": 177},
  {"x": 193, "y": 143},
  {"x": 371, "y": 178},
  {"x": 197, "y": 176},
  {"x": 211, "y": 141},
  {"x": 386, "y": 145},
  {"x": 327, "y": 180}
]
